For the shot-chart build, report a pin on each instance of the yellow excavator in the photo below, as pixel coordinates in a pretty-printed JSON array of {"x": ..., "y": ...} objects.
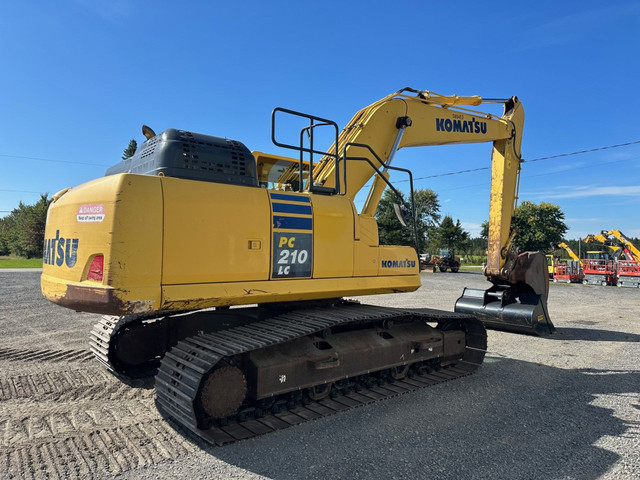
[
  {"x": 599, "y": 267},
  {"x": 224, "y": 271},
  {"x": 570, "y": 252},
  {"x": 604, "y": 239},
  {"x": 630, "y": 249},
  {"x": 571, "y": 271},
  {"x": 627, "y": 270}
]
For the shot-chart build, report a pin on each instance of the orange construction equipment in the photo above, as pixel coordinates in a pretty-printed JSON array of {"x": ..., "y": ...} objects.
[
  {"x": 599, "y": 272},
  {"x": 628, "y": 273},
  {"x": 630, "y": 250},
  {"x": 568, "y": 272},
  {"x": 614, "y": 270}
]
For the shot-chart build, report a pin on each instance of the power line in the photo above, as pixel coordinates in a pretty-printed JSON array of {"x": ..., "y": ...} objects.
[
  {"x": 569, "y": 169},
  {"x": 458, "y": 172},
  {"x": 17, "y": 191},
  {"x": 579, "y": 152},
  {"x": 55, "y": 161},
  {"x": 583, "y": 151},
  {"x": 534, "y": 175}
]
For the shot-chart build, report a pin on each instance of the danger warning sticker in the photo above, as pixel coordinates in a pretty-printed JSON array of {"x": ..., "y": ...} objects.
[{"x": 92, "y": 212}]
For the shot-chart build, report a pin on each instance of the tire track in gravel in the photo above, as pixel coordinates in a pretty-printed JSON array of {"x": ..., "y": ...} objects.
[
  {"x": 74, "y": 423},
  {"x": 110, "y": 451},
  {"x": 68, "y": 385},
  {"x": 14, "y": 354},
  {"x": 22, "y": 423}
]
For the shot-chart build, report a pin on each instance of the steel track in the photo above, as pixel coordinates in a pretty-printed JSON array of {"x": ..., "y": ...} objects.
[
  {"x": 104, "y": 340},
  {"x": 184, "y": 367},
  {"x": 101, "y": 336}
]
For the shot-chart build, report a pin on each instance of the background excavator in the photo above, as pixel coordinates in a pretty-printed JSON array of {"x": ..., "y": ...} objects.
[
  {"x": 599, "y": 267},
  {"x": 631, "y": 252},
  {"x": 604, "y": 269},
  {"x": 569, "y": 272},
  {"x": 569, "y": 251},
  {"x": 627, "y": 270},
  {"x": 223, "y": 271}
]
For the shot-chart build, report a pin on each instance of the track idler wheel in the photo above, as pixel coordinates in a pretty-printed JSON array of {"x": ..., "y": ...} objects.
[{"x": 223, "y": 392}]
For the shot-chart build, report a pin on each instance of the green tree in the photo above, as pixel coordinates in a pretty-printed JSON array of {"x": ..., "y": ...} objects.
[
  {"x": 484, "y": 230},
  {"x": 22, "y": 231},
  {"x": 476, "y": 246},
  {"x": 391, "y": 231},
  {"x": 540, "y": 227},
  {"x": 130, "y": 150},
  {"x": 451, "y": 235},
  {"x": 7, "y": 227}
]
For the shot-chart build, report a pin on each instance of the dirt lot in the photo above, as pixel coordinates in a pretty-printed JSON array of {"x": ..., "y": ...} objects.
[{"x": 567, "y": 406}]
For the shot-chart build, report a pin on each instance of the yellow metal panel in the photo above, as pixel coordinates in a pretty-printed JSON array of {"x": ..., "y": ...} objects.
[
  {"x": 181, "y": 297},
  {"x": 137, "y": 234},
  {"x": 366, "y": 251},
  {"x": 91, "y": 237},
  {"x": 366, "y": 260},
  {"x": 368, "y": 230},
  {"x": 333, "y": 236},
  {"x": 398, "y": 261},
  {"x": 119, "y": 217},
  {"x": 214, "y": 232}
]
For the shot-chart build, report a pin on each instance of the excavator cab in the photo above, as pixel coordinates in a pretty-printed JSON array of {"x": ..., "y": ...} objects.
[{"x": 597, "y": 255}]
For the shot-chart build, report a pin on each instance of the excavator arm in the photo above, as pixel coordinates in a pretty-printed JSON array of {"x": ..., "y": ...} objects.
[
  {"x": 597, "y": 237},
  {"x": 626, "y": 242},
  {"x": 424, "y": 119},
  {"x": 604, "y": 239},
  {"x": 401, "y": 120},
  {"x": 411, "y": 118},
  {"x": 570, "y": 252}
]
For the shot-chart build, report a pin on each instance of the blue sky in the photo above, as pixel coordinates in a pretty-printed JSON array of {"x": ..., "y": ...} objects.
[{"x": 79, "y": 78}]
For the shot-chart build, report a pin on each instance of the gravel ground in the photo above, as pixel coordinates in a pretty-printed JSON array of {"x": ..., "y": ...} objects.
[{"x": 567, "y": 406}]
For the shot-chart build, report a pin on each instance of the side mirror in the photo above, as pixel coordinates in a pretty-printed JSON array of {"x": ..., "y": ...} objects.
[{"x": 399, "y": 214}]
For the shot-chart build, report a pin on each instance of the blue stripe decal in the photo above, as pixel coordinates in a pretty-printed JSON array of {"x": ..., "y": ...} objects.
[
  {"x": 292, "y": 223},
  {"x": 290, "y": 198},
  {"x": 289, "y": 208}
]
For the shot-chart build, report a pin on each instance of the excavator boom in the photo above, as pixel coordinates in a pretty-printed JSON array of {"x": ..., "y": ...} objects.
[
  {"x": 411, "y": 118},
  {"x": 570, "y": 252},
  {"x": 518, "y": 299}
]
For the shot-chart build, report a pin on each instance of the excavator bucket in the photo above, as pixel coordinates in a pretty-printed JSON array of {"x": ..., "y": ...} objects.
[{"x": 517, "y": 303}]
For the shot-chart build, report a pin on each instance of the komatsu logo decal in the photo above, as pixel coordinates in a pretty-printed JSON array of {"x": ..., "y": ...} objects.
[
  {"x": 60, "y": 250},
  {"x": 459, "y": 125},
  {"x": 398, "y": 263}
]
